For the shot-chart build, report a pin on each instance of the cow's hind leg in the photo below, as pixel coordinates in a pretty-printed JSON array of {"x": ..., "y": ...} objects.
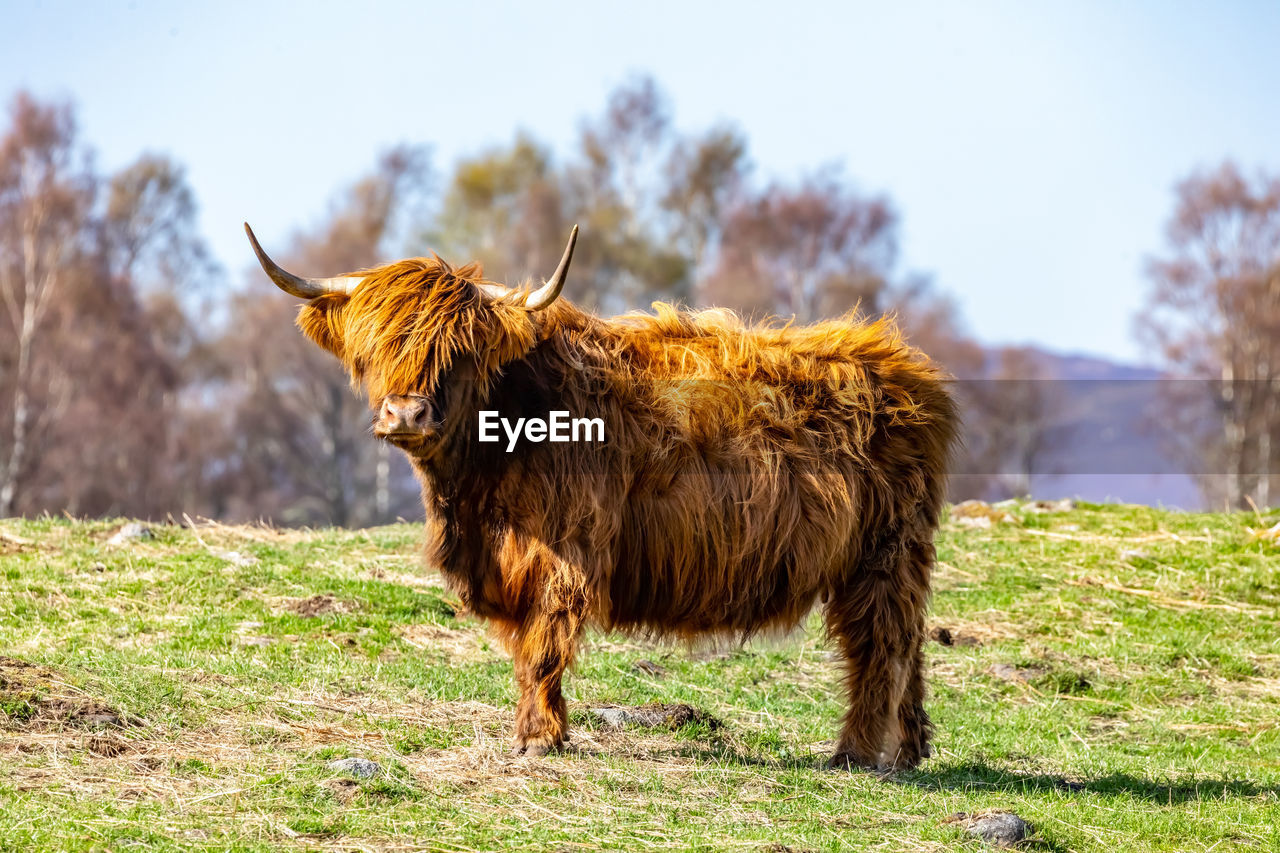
[
  {"x": 914, "y": 728},
  {"x": 543, "y": 648},
  {"x": 877, "y": 618}
]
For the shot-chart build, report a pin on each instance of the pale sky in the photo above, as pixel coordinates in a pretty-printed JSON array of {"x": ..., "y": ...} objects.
[{"x": 1031, "y": 147}]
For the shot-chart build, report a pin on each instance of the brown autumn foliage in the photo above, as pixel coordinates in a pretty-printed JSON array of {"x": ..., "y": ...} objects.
[
  {"x": 1213, "y": 314},
  {"x": 94, "y": 420},
  {"x": 811, "y": 251},
  {"x": 115, "y": 400}
]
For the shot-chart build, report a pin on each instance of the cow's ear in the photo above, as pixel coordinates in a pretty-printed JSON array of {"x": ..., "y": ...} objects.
[{"x": 321, "y": 321}]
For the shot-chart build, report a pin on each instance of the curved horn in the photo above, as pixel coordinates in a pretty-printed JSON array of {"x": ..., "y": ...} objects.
[
  {"x": 545, "y": 295},
  {"x": 303, "y": 288},
  {"x": 494, "y": 291}
]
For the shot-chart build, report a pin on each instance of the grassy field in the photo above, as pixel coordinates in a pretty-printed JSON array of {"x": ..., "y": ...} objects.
[{"x": 1113, "y": 677}]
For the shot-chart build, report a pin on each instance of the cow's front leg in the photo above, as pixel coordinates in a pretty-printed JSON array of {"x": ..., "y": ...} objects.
[
  {"x": 543, "y": 650},
  {"x": 542, "y": 716}
]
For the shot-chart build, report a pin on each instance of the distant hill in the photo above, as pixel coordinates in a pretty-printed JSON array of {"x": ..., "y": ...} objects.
[{"x": 1107, "y": 433}]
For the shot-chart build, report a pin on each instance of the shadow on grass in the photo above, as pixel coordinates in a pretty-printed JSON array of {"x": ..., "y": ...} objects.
[
  {"x": 977, "y": 775},
  {"x": 980, "y": 776},
  {"x": 724, "y": 753}
]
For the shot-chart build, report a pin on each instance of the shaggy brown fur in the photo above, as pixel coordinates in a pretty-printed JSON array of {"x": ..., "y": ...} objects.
[{"x": 746, "y": 472}]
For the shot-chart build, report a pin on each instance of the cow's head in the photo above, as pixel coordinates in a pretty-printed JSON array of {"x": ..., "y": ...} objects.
[{"x": 417, "y": 334}]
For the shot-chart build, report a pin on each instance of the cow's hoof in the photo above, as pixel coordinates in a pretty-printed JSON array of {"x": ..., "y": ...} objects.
[
  {"x": 898, "y": 764},
  {"x": 849, "y": 761},
  {"x": 535, "y": 747}
]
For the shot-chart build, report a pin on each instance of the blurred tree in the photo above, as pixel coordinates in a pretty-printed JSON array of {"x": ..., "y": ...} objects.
[
  {"x": 931, "y": 321},
  {"x": 151, "y": 243},
  {"x": 1014, "y": 421},
  {"x": 614, "y": 190},
  {"x": 119, "y": 403},
  {"x": 512, "y": 207},
  {"x": 92, "y": 371},
  {"x": 298, "y": 445},
  {"x": 46, "y": 197},
  {"x": 812, "y": 251},
  {"x": 505, "y": 208},
  {"x": 149, "y": 227},
  {"x": 1213, "y": 314},
  {"x": 705, "y": 177}
]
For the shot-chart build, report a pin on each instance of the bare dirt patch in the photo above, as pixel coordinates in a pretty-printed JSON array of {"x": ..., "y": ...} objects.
[
  {"x": 322, "y": 604},
  {"x": 33, "y": 697},
  {"x": 1007, "y": 672},
  {"x": 10, "y": 544},
  {"x": 946, "y": 637},
  {"x": 974, "y": 632}
]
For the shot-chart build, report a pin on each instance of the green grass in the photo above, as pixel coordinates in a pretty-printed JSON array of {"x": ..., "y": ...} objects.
[{"x": 1115, "y": 680}]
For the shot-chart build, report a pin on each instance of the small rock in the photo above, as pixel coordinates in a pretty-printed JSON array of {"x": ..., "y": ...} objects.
[
  {"x": 970, "y": 508},
  {"x": 1129, "y": 555},
  {"x": 256, "y": 641},
  {"x": 1003, "y": 829},
  {"x": 941, "y": 635},
  {"x": 130, "y": 532},
  {"x": 1064, "y": 505},
  {"x": 236, "y": 558},
  {"x": 655, "y": 716},
  {"x": 619, "y": 717},
  {"x": 980, "y": 514},
  {"x": 360, "y": 767},
  {"x": 1006, "y": 672},
  {"x": 648, "y": 667}
]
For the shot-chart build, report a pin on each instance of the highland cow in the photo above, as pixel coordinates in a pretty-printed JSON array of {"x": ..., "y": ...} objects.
[{"x": 746, "y": 472}]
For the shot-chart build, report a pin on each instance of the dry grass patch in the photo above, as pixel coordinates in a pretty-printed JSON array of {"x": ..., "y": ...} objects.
[
  {"x": 425, "y": 579},
  {"x": 455, "y": 644},
  {"x": 210, "y": 533}
]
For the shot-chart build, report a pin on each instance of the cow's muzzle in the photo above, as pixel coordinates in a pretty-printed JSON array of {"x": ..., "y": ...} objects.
[{"x": 405, "y": 418}]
